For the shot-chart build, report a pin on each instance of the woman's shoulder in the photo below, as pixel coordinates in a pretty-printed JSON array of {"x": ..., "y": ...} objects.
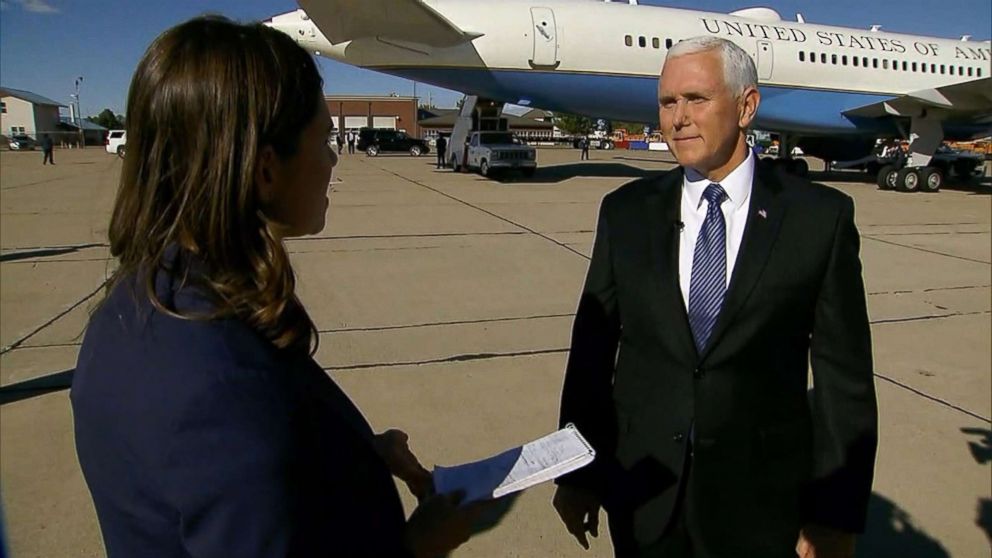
[{"x": 176, "y": 330}]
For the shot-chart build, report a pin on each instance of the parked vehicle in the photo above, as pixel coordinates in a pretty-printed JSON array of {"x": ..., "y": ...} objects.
[
  {"x": 22, "y": 142},
  {"x": 375, "y": 141},
  {"x": 116, "y": 143},
  {"x": 491, "y": 152}
]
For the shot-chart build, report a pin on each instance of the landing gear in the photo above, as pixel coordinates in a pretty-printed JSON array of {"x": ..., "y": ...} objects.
[
  {"x": 931, "y": 179},
  {"x": 886, "y": 177},
  {"x": 908, "y": 180}
]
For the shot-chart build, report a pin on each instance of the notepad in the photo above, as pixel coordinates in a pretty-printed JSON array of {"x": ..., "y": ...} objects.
[{"x": 518, "y": 468}]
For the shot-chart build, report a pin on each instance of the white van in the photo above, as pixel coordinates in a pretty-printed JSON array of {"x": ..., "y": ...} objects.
[{"x": 116, "y": 141}]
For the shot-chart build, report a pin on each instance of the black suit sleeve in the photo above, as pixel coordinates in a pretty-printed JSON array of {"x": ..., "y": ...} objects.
[
  {"x": 844, "y": 407},
  {"x": 587, "y": 396}
]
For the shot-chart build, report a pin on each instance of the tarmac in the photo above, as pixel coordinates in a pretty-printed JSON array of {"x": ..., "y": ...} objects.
[{"x": 445, "y": 302}]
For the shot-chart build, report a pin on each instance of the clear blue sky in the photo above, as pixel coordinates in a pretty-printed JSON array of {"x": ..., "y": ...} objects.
[{"x": 46, "y": 44}]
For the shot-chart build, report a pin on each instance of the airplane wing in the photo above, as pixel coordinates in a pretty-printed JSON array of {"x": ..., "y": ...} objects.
[
  {"x": 405, "y": 20},
  {"x": 970, "y": 101}
]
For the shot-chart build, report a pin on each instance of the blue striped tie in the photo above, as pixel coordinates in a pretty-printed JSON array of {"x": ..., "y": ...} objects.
[{"x": 708, "y": 282}]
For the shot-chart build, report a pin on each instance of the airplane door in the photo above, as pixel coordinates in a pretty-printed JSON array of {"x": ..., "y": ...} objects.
[
  {"x": 766, "y": 60},
  {"x": 545, "y": 37}
]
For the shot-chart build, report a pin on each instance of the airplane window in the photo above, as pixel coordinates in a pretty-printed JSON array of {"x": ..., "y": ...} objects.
[
  {"x": 855, "y": 60},
  {"x": 933, "y": 68},
  {"x": 642, "y": 42},
  {"x": 802, "y": 56},
  {"x": 885, "y": 64},
  {"x": 923, "y": 68},
  {"x": 874, "y": 63},
  {"x": 979, "y": 72},
  {"x": 844, "y": 60},
  {"x": 942, "y": 67},
  {"x": 905, "y": 65},
  {"x": 823, "y": 58},
  {"x": 812, "y": 57},
  {"x": 833, "y": 59},
  {"x": 969, "y": 72},
  {"x": 914, "y": 67},
  {"x": 628, "y": 40},
  {"x": 655, "y": 43},
  {"x": 668, "y": 43},
  {"x": 864, "y": 62}
]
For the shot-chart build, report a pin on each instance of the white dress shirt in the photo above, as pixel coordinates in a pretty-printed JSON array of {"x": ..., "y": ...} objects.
[{"x": 737, "y": 184}]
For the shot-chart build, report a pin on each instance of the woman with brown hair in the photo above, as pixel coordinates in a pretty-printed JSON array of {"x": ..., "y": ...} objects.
[{"x": 203, "y": 425}]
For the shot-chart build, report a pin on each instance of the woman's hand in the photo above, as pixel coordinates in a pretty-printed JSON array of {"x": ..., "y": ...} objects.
[{"x": 393, "y": 449}]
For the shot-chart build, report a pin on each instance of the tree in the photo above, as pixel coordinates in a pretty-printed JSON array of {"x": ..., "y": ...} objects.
[
  {"x": 107, "y": 119},
  {"x": 574, "y": 125}
]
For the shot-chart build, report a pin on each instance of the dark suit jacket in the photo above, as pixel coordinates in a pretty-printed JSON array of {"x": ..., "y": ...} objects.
[
  {"x": 199, "y": 438},
  {"x": 766, "y": 456}
]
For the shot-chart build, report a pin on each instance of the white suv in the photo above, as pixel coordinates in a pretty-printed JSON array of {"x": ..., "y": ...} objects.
[{"x": 116, "y": 142}]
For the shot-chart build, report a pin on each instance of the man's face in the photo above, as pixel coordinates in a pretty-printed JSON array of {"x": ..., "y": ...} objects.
[{"x": 702, "y": 121}]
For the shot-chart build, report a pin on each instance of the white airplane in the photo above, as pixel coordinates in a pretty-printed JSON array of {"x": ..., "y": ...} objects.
[{"x": 830, "y": 90}]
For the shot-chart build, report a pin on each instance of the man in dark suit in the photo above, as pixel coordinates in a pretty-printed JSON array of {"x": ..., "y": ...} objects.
[
  {"x": 442, "y": 151},
  {"x": 712, "y": 291},
  {"x": 47, "y": 148}
]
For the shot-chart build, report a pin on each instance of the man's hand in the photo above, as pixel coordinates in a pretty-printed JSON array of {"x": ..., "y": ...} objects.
[
  {"x": 392, "y": 447},
  {"x": 578, "y": 508},
  {"x": 816, "y": 541}
]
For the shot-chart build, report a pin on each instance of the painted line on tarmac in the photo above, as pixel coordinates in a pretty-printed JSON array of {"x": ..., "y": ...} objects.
[
  {"x": 930, "y": 317},
  {"x": 925, "y": 250},
  {"x": 930, "y": 290},
  {"x": 424, "y": 235},
  {"x": 52, "y": 320},
  {"x": 935, "y": 399},
  {"x": 441, "y": 324},
  {"x": 455, "y": 358},
  {"x": 486, "y": 211}
]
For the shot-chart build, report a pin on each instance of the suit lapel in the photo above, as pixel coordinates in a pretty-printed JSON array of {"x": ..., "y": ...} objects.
[
  {"x": 764, "y": 217},
  {"x": 664, "y": 218}
]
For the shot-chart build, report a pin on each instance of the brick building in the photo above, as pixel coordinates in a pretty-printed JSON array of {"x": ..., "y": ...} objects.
[{"x": 391, "y": 112}]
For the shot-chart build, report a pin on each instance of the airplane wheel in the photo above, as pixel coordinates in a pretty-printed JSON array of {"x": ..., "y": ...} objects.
[
  {"x": 931, "y": 179},
  {"x": 908, "y": 180},
  {"x": 886, "y": 177}
]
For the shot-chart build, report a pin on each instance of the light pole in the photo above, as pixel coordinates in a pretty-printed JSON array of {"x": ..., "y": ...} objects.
[{"x": 79, "y": 114}]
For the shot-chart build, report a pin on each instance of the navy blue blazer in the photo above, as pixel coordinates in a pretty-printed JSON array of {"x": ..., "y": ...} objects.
[{"x": 200, "y": 438}]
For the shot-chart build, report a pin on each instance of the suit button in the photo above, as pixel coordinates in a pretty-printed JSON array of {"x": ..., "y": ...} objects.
[
  {"x": 678, "y": 437},
  {"x": 698, "y": 374}
]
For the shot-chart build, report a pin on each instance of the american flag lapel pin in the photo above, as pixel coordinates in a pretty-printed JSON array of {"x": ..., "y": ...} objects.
[{"x": 763, "y": 214}]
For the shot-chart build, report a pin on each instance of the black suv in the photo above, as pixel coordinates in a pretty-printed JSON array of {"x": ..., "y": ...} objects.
[{"x": 373, "y": 142}]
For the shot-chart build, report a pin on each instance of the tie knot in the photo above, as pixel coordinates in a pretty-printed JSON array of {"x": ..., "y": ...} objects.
[{"x": 714, "y": 194}]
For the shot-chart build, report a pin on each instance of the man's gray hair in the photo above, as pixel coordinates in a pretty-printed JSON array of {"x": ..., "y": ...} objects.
[{"x": 739, "y": 72}]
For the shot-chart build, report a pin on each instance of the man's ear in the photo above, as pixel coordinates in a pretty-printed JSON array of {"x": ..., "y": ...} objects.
[
  {"x": 749, "y": 102},
  {"x": 266, "y": 173}
]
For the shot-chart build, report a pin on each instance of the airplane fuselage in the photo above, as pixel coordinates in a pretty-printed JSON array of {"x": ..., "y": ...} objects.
[{"x": 602, "y": 59}]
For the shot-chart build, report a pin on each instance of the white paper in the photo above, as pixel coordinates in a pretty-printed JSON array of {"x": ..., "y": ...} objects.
[{"x": 518, "y": 468}]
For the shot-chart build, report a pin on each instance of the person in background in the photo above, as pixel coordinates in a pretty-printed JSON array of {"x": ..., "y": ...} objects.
[
  {"x": 442, "y": 151},
  {"x": 47, "y": 147}
]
